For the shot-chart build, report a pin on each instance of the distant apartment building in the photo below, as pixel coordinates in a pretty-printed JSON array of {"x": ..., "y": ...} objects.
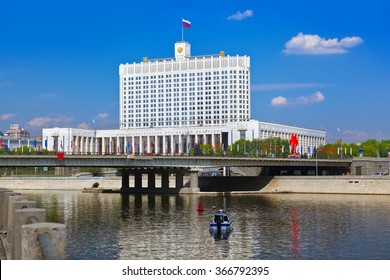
[
  {"x": 17, "y": 137},
  {"x": 16, "y": 131}
]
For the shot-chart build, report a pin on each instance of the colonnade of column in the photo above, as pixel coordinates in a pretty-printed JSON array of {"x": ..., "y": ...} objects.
[
  {"x": 72, "y": 144},
  {"x": 133, "y": 144}
]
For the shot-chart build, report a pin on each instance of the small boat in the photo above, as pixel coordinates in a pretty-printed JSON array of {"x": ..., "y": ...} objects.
[{"x": 221, "y": 222}]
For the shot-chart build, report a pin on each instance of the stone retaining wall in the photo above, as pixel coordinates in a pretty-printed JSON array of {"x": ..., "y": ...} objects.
[
  {"x": 69, "y": 183},
  {"x": 23, "y": 227},
  {"x": 329, "y": 184}
]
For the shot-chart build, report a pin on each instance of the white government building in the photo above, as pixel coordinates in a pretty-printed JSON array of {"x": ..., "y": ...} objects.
[{"x": 168, "y": 106}]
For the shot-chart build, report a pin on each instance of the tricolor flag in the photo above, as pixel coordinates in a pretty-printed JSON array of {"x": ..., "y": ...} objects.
[{"x": 186, "y": 23}]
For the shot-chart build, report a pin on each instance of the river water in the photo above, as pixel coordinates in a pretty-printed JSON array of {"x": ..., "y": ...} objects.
[{"x": 277, "y": 226}]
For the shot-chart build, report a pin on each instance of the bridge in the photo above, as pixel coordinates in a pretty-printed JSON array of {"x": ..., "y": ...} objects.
[
  {"x": 122, "y": 161},
  {"x": 178, "y": 165}
]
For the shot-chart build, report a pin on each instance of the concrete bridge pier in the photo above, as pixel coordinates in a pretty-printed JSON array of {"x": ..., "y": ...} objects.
[
  {"x": 179, "y": 180},
  {"x": 138, "y": 180},
  {"x": 194, "y": 182},
  {"x": 151, "y": 181},
  {"x": 161, "y": 175},
  {"x": 164, "y": 181},
  {"x": 125, "y": 181}
]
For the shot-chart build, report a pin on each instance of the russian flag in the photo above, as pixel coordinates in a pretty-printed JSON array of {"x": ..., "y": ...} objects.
[{"x": 186, "y": 23}]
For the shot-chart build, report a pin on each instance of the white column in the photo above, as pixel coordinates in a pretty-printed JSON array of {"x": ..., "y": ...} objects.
[
  {"x": 132, "y": 143},
  {"x": 86, "y": 145},
  {"x": 76, "y": 145},
  {"x": 148, "y": 144},
  {"x": 90, "y": 144},
  {"x": 82, "y": 145},
  {"x": 164, "y": 148},
  {"x": 125, "y": 146},
  {"x": 172, "y": 148},
  {"x": 180, "y": 143}
]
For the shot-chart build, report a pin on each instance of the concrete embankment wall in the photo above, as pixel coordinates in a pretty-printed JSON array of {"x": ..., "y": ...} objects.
[
  {"x": 297, "y": 184},
  {"x": 329, "y": 184},
  {"x": 71, "y": 183},
  {"x": 57, "y": 183},
  {"x": 254, "y": 184}
]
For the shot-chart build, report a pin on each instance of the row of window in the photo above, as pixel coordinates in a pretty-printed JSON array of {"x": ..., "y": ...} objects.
[
  {"x": 216, "y": 84},
  {"x": 175, "y": 106},
  {"x": 198, "y": 74},
  {"x": 168, "y": 88},
  {"x": 225, "y": 79},
  {"x": 156, "y": 123},
  {"x": 208, "y": 112}
]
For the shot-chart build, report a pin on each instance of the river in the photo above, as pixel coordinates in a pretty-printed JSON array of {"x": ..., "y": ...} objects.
[{"x": 274, "y": 226}]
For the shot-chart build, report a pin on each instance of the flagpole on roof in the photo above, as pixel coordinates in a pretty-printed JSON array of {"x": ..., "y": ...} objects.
[{"x": 182, "y": 30}]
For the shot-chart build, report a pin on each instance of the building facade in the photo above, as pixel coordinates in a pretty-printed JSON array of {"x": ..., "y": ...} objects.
[
  {"x": 173, "y": 140},
  {"x": 170, "y": 106},
  {"x": 185, "y": 91},
  {"x": 16, "y": 131}
]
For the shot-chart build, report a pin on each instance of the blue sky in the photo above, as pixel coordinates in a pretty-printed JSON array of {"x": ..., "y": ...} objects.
[{"x": 316, "y": 64}]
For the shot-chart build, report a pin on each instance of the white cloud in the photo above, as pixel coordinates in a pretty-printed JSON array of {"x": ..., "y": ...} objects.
[
  {"x": 102, "y": 116},
  {"x": 315, "y": 45},
  {"x": 281, "y": 101},
  {"x": 241, "y": 15},
  {"x": 84, "y": 125},
  {"x": 284, "y": 86},
  {"x": 5, "y": 117},
  {"x": 316, "y": 97},
  {"x": 57, "y": 121}
]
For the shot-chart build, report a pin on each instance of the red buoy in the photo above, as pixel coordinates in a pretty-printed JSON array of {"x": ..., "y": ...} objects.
[{"x": 200, "y": 207}]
